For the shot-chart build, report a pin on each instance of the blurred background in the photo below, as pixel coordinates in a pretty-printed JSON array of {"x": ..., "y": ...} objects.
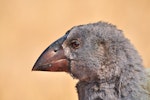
[{"x": 27, "y": 27}]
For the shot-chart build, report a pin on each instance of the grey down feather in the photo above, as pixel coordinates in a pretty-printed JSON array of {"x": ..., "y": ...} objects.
[{"x": 106, "y": 64}]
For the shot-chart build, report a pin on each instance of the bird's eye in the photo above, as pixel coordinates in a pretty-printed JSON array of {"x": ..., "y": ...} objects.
[{"x": 75, "y": 44}]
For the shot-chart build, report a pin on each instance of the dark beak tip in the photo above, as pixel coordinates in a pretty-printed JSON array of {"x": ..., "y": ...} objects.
[{"x": 35, "y": 68}]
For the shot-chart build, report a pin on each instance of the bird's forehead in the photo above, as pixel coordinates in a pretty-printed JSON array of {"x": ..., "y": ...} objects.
[{"x": 78, "y": 32}]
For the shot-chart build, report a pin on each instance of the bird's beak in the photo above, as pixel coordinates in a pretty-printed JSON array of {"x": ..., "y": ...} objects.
[{"x": 53, "y": 58}]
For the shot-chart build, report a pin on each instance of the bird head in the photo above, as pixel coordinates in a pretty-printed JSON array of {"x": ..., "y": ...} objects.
[{"x": 87, "y": 52}]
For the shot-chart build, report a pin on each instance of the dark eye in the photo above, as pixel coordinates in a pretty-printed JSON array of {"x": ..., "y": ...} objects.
[{"x": 75, "y": 44}]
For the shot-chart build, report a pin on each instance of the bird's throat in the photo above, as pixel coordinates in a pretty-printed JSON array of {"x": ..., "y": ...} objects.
[{"x": 97, "y": 91}]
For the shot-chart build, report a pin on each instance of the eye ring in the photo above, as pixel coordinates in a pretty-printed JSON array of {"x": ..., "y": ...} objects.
[{"x": 75, "y": 44}]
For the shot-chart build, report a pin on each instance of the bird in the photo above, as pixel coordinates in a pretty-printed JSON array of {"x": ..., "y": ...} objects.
[{"x": 104, "y": 61}]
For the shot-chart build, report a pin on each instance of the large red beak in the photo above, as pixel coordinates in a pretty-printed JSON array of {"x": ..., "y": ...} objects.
[{"x": 53, "y": 58}]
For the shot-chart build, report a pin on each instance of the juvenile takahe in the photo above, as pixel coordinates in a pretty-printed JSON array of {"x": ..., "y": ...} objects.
[{"x": 105, "y": 62}]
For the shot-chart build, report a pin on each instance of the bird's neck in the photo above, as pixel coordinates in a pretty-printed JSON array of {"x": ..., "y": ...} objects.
[
  {"x": 97, "y": 91},
  {"x": 111, "y": 90}
]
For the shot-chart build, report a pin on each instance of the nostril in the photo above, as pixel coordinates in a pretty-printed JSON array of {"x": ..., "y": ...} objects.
[{"x": 55, "y": 50}]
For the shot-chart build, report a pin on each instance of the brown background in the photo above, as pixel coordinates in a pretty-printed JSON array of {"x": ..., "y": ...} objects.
[{"x": 27, "y": 27}]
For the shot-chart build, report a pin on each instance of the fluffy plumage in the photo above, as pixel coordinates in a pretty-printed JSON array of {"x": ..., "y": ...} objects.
[{"x": 105, "y": 62}]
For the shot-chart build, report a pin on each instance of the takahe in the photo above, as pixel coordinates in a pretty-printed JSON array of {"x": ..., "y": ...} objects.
[{"x": 105, "y": 62}]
